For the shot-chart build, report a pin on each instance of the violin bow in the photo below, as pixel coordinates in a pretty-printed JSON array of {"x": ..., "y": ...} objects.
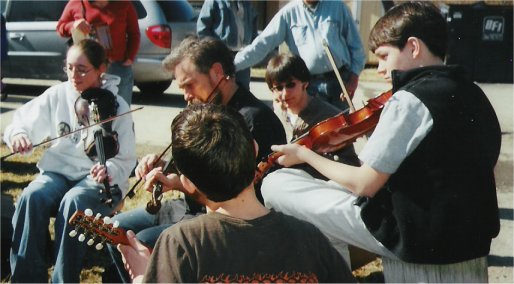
[
  {"x": 130, "y": 193},
  {"x": 211, "y": 96},
  {"x": 333, "y": 63},
  {"x": 76, "y": 130}
]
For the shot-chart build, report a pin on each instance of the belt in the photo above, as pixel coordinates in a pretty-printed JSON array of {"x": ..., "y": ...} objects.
[{"x": 332, "y": 75}]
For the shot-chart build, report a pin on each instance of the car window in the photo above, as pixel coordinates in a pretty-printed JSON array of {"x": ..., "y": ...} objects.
[
  {"x": 177, "y": 11},
  {"x": 35, "y": 11},
  {"x": 140, "y": 9}
]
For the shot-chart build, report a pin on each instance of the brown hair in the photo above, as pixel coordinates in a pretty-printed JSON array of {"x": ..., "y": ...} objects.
[
  {"x": 421, "y": 19},
  {"x": 93, "y": 50},
  {"x": 285, "y": 66}
]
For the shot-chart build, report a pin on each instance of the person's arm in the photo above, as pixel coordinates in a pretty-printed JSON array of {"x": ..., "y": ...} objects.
[
  {"x": 133, "y": 35},
  {"x": 67, "y": 20},
  {"x": 362, "y": 181},
  {"x": 31, "y": 123},
  {"x": 272, "y": 36},
  {"x": 204, "y": 24}
]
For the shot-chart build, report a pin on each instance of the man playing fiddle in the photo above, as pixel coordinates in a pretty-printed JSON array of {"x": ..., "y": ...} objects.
[
  {"x": 425, "y": 192},
  {"x": 204, "y": 70}
]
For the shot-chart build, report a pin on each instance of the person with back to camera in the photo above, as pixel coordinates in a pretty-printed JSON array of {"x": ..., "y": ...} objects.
[
  {"x": 425, "y": 192},
  {"x": 114, "y": 24},
  {"x": 304, "y": 25},
  {"x": 234, "y": 22},
  {"x": 238, "y": 240},
  {"x": 203, "y": 68},
  {"x": 69, "y": 180}
]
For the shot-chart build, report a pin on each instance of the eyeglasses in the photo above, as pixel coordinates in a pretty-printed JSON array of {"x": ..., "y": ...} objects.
[
  {"x": 80, "y": 71},
  {"x": 279, "y": 88}
]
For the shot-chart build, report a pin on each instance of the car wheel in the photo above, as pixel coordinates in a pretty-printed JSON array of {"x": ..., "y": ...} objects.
[{"x": 154, "y": 88}]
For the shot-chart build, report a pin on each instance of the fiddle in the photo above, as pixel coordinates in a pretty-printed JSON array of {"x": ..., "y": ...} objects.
[
  {"x": 98, "y": 104},
  {"x": 154, "y": 205},
  {"x": 334, "y": 133}
]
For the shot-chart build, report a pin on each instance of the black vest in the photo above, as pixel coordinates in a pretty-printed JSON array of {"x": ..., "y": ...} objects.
[{"x": 440, "y": 206}]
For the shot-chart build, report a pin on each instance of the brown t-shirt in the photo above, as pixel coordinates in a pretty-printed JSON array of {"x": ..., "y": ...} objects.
[{"x": 220, "y": 248}]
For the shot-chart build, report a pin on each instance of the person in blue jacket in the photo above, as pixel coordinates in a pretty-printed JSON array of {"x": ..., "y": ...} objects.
[{"x": 234, "y": 23}]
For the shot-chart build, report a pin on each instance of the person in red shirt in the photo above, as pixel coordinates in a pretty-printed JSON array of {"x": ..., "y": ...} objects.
[{"x": 114, "y": 24}]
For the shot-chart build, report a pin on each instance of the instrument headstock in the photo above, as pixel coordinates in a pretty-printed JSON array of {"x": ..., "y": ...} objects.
[{"x": 97, "y": 228}]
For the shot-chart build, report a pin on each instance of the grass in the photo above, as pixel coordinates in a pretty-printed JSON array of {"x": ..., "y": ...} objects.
[{"x": 18, "y": 171}]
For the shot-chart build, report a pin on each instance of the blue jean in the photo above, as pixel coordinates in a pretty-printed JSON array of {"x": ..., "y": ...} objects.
[
  {"x": 328, "y": 90},
  {"x": 51, "y": 194},
  {"x": 147, "y": 227},
  {"x": 127, "y": 79}
]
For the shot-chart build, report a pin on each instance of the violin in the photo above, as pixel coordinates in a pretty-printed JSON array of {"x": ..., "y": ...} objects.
[
  {"x": 98, "y": 104},
  {"x": 335, "y": 132},
  {"x": 154, "y": 205}
]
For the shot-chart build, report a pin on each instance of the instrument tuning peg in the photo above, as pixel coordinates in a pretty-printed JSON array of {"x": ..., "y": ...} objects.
[
  {"x": 99, "y": 246},
  {"x": 82, "y": 237},
  {"x": 107, "y": 220},
  {"x": 116, "y": 224},
  {"x": 88, "y": 212},
  {"x": 90, "y": 242},
  {"x": 73, "y": 233},
  {"x": 97, "y": 217}
]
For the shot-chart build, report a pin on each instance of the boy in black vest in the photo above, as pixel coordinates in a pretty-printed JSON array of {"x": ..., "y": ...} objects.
[{"x": 425, "y": 192}]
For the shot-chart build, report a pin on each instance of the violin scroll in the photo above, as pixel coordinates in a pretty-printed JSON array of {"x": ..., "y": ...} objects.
[{"x": 154, "y": 205}]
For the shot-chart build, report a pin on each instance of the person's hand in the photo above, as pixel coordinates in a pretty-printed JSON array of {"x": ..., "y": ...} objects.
[
  {"x": 98, "y": 173},
  {"x": 135, "y": 256},
  {"x": 169, "y": 182},
  {"x": 352, "y": 84},
  {"x": 127, "y": 62},
  {"x": 290, "y": 154},
  {"x": 146, "y": 164},
  {"x": 82, "y": 25},
  {"x": 20, "y": 143}
]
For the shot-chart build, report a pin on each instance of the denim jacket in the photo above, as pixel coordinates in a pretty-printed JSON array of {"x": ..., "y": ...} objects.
[{"x": 216, "y": 19}]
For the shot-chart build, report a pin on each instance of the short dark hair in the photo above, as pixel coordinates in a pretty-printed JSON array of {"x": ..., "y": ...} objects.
[
  {"x": 203, "y": 53},
  {"x": 420, "y": 19},
  {"x": 93, "y": 50},
  {"x": 213, "y": 147},
  {"x": 283, "y": 67}
]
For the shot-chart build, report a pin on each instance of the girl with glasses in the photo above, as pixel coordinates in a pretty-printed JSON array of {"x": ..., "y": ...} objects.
[{"x": 69, "y": 180}]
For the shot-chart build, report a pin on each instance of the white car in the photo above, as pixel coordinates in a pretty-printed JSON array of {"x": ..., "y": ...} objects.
[{"x": 36, "y": 50}]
